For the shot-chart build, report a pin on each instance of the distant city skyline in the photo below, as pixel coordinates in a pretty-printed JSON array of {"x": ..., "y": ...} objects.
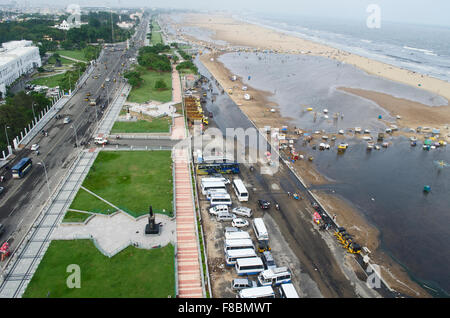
[{"x": 433, "y": 12}]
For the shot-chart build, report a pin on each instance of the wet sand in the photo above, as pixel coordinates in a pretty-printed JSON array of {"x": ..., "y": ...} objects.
[{"x": 413, "y": 114}]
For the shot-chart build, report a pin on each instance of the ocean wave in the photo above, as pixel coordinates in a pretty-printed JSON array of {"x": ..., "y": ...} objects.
[{"x": 425, "y": 51}]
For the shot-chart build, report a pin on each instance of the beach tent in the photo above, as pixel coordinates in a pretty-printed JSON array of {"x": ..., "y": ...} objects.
[{"x": 317, "y": 217}]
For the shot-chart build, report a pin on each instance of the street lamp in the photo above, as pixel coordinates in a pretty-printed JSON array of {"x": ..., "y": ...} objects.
[
  {"x": 6, "y": 132},
  {"x": 32, "y": 107},
  {"x": 75, "y": 132},
  {"x": 46, "y": 176}
]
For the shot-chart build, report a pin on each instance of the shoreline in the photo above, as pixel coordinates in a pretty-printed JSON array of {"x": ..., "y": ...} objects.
[{"x": 393, "y": 272}]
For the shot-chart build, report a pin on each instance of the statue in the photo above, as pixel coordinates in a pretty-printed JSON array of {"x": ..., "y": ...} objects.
[{"x": 152, "y": 227}]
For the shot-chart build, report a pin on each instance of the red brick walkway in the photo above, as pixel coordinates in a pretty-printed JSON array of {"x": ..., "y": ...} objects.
[{"x": 189, "y": 274}]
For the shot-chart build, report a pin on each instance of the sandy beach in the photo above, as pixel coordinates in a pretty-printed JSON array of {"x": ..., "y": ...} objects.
[
  {"x": 264, "y": 113},
  {"x": 244, "y": 34}
]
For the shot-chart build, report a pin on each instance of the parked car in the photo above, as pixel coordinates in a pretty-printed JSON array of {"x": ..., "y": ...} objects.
[
  {"x": 225, "y": 216},
  {"x": 268, "y": 260},
  {"x": 2, "y": 189},
  {"x": 66, "y": 120},
  {"x": 263, "y": 204},
  {"x": 34, "y": 147},
  {"x": 238, "y": 222},
  {"x": 241, "y": 283},
  {"x": 243, "y": 211},
  {"x": 229, "y": 229},
  {"x": 218, "y": 209}
]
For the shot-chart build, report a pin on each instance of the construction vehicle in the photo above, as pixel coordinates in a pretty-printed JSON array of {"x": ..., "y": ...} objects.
[
  {"x": 346, "y": 240},
  {"x": 339, "y": 231},
  {"x": 354, "y": 248}
]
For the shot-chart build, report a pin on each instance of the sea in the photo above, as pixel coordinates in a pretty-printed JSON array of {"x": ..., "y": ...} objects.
[
  {"x": 385, "y": 185},
  {"x": 420, "y": 48}
]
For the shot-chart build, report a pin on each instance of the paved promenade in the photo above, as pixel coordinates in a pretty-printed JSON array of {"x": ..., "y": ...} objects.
[{"x": 189, "y": 274}]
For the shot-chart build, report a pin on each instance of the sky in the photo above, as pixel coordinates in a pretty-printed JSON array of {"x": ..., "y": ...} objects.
[{"x": 433, "y": 12}]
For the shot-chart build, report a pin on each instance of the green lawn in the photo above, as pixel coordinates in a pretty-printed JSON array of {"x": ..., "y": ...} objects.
[
  {"x": 133, "y": 273},
  {"x": 156, "y": 38},
  {"x": 142, "y": 126},
  {"x": 75, "y": 217},
  {"x": 84, "y": 201},
  {"x": 131, "y": 180},
  {"x": 50, "y": 81},
  {"x": 52, "y": 60},
  {"x": 147, "y": 89},
  {"x": 75, "y": 54}
]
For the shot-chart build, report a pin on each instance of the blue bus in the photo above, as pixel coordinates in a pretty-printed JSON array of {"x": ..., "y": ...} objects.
[
  {"x": 221, "y": 167},
  {"x": 21, "y": 168}
]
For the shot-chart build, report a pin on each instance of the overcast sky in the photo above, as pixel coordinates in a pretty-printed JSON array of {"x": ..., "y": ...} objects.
[{"x": 411, "y": 11}]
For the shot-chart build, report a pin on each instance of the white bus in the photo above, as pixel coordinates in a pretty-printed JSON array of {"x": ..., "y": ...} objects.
[
  {"x": 288, "y": 291},
  {"x": 238, "y": 244},
  {"x": 241, "y": 235},
  {"x": 220, "y": 199},
  {"x": 232, "y": 255},
  {"x": 257, "y": 292},
  {"x": 240, "y": 190},
  {"x": 249, "y": 266},
  {"x": 274, "y": 276},
  {"x": 260, "y": 229},
  {"x": 212, "y": 185}
]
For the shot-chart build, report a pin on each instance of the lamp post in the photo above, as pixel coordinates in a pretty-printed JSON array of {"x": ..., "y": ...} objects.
[
  {"x": 6, "y": 132},
  {"x": 32, "y": 107},
  {"x": 41, "y": 163}
]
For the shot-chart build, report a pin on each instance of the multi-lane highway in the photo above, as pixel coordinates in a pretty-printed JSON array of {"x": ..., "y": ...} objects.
[{"x": 24, "y": 198}]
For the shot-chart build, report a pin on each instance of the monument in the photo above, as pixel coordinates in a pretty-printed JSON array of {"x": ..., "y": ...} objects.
[{"x": 152, "y": 227}]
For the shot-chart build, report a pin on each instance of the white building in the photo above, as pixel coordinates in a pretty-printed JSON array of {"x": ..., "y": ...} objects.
[{"x": 17, "y": 58}]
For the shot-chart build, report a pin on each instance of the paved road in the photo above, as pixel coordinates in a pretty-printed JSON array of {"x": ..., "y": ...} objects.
[{"x": 24, "y": 198}]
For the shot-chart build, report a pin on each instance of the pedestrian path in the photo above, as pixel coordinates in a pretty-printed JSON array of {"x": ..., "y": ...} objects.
[
  {"x": 25, "y": 260},
  {"x": 188, "y": 252},
  {"x": 178, "y": 129}
]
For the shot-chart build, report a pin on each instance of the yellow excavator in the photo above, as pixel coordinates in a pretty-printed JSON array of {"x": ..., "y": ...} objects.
[{"x": 354, "y": 248}]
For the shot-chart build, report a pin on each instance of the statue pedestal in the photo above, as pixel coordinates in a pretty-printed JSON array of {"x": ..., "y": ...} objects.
[{"x": 152, "y": 229}]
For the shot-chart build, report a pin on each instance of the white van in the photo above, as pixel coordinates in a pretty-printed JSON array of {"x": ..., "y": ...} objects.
[
  {"x": 232, "y": 255},
  {"x": 260, "y": 229},
  {"x": 274, "y": 276},
  {"x": 218, "y": 209},
  {"x": 240, "y": 190},
  {"x": 220, "y": 199},
  {"x": 249, "y": 266},
  {"x": 215, "y": 179},
  {"x": 237, "y": 244},
  {"x": 225, "y": 216},
  {"x": 212, "y": 192},
  {"x": 241, "y": 283},
  {"x": 288, "y": 291},
  {"x": 206, "y": 186},
  {"x": 242, "y": 211},
  {"x": 257, "y": 292},
  {"x": 240, "y": 235}
]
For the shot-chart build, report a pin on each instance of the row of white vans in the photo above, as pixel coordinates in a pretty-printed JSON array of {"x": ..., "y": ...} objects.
[{"x": 239, "y": 248}]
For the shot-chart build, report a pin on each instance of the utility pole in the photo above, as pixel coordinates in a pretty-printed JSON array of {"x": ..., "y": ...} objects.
[{"x": 6, "y": 132}]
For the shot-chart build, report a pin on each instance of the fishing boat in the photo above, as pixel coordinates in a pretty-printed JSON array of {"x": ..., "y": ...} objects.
[
  {"x": 367, "y": 138},
  {"x": 366, "y": 131},
  {"x": 342, "y": 147},
  {"x": 370, "y": 145},
  {"x": 325, "y": 111},
  {"x": 385, "y": 144},
  {"x": 325, "y": 137},
  {"x": 358, "y": 130},
  {"x": 341, "y": 131},
  {"x": 377, "y": 147}
]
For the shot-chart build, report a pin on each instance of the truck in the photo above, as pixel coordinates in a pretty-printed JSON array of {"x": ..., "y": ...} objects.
[{"x": 100, "y": 140}]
